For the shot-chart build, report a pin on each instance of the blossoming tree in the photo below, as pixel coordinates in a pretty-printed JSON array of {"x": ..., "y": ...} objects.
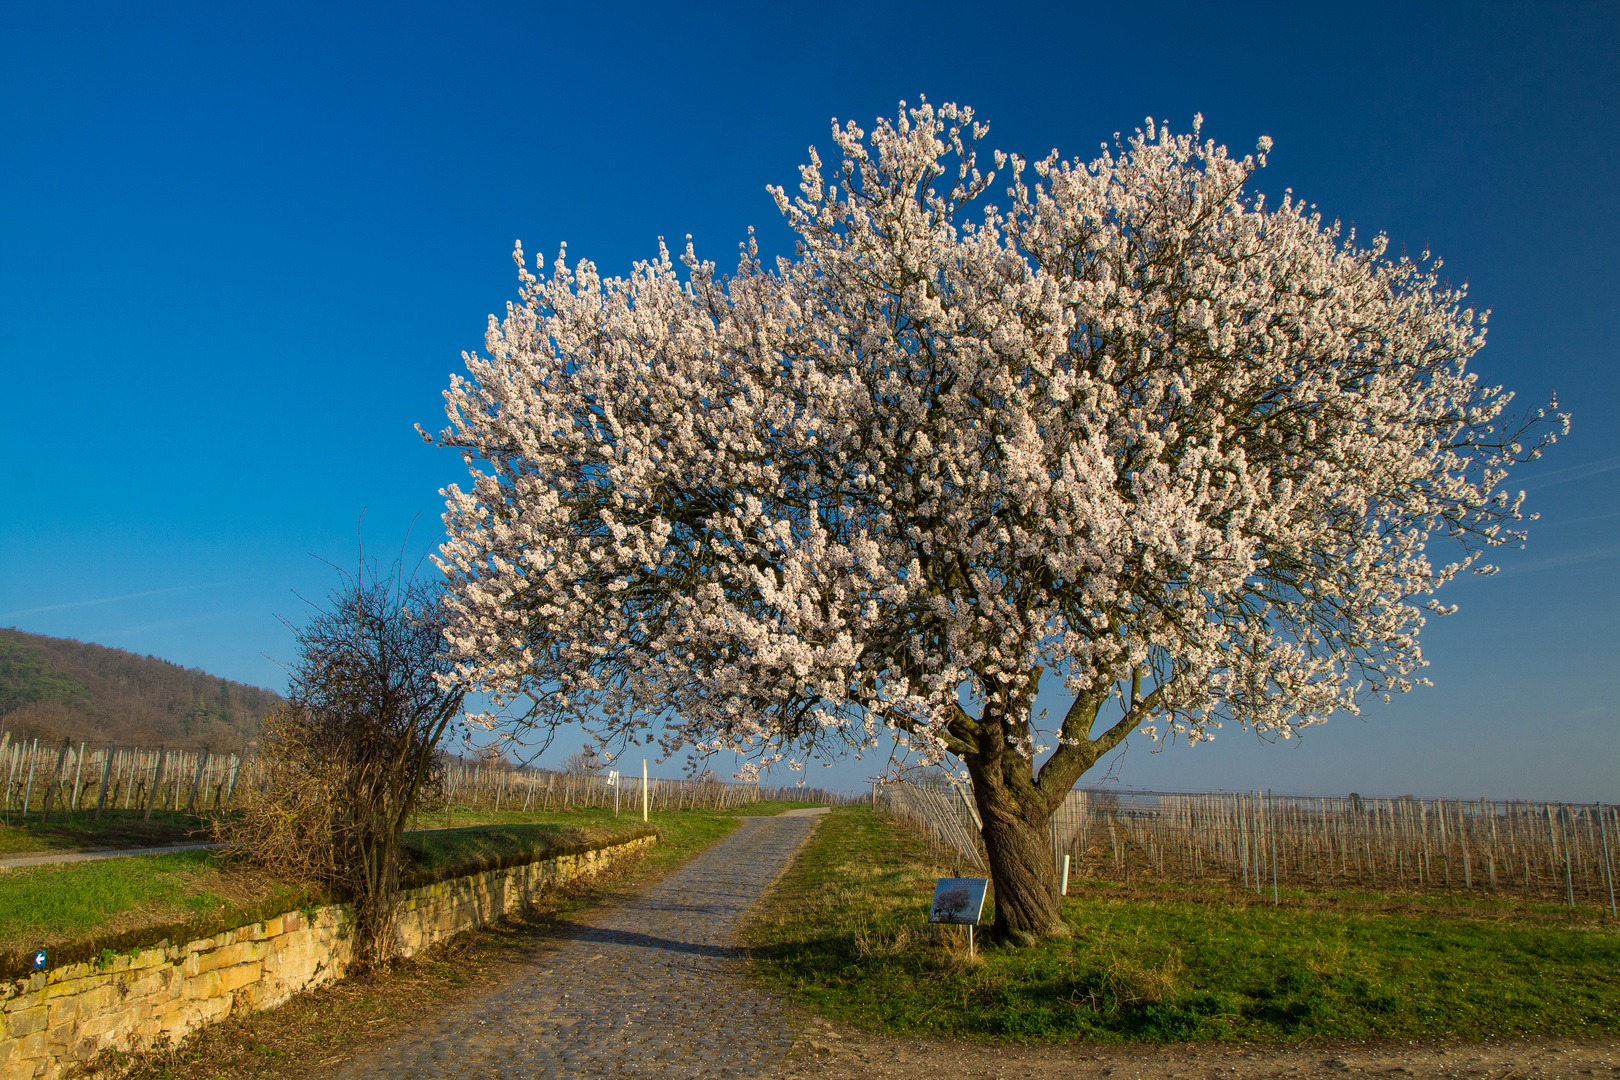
[{"x": 1137, "y": 431}]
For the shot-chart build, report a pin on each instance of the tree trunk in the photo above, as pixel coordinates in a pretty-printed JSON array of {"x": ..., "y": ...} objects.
[{"x": 1018, "y": 842}]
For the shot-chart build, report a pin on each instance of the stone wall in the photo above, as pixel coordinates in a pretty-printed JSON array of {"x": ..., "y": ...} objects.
[{"x": 160, "y": 995}]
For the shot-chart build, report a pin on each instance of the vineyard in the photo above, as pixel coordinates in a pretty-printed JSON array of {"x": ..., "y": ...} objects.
[
  {"x": 1559, "y": 852},
  {"x": 41, "y": 781}
]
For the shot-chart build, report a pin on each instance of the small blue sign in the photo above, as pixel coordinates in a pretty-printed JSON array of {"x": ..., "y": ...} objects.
[{"x": 39, "y": 959}]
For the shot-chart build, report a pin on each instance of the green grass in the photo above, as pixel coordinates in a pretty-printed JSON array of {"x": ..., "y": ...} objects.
[
  {"x": 49, "y": 903},
  {"x": 116, "y": 829},
  {"x": 46, "y": 905},
  {"x": 124, "y": 828},
  {"x": 458, "y": 817},
  {"x": 846, "y": 934}
]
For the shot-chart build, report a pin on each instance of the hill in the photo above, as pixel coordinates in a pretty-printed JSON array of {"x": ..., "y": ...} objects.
[{"x": 56, "y": 687}]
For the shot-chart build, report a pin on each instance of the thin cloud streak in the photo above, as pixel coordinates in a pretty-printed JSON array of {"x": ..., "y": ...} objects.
[
  {"x": 106, "y": 600},
  {"x": 1572, "y": 473},
  {"x": 1566, "y": 561}
]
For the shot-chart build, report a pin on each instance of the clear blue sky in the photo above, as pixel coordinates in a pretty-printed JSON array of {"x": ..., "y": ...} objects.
[{"x": 242, "y": 247}]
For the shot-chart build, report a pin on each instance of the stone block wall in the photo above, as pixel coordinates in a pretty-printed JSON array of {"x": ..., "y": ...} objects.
[{"x": 67, "y": 1015}]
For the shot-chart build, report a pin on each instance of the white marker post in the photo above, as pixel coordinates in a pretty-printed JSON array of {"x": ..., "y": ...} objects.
[
  {"x": 643, "y": 789},
  {"x": 613, "y": 780},
  {"x": 1064, "y": 889}
]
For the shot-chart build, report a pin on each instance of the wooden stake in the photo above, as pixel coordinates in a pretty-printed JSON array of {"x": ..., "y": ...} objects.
[
  {"x": 106, "y": 775},
  {"x": 1608, "y": 874},
  {"x": 157, "y": 782}
]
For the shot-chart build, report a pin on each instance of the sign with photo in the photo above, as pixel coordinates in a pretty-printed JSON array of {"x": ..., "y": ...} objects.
[{"x": 958, "y": 900}]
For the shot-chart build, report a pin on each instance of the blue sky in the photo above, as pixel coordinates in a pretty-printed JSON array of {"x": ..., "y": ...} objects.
[{"x": 243, "y": 246}]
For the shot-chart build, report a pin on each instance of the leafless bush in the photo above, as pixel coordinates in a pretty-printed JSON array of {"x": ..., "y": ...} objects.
[
  {"x": 345, "y": 760},
  {"x": 584, "y": 762}
]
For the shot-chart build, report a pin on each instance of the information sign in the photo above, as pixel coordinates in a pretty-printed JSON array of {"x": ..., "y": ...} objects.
[{"x": 958, "y": 900}]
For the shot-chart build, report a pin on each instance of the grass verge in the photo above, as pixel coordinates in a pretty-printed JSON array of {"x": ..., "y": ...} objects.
[
  {"x": 846, "y": 934},
  {"x": 115, "y": 829},
  {"x": 57, "y": 905},
  {"x": 80, "y": 831}
]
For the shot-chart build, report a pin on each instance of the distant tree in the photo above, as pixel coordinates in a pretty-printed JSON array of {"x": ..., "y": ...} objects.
[
  {"x": 348, "y": 755},
  {"x": 1189, "y": 453},
  {"x": 586, "y": 761}
]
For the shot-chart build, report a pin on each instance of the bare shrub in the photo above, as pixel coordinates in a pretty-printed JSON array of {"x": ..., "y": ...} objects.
[
  {"x": 344, "y": 762},
  {"x": 585, "y": 761}
]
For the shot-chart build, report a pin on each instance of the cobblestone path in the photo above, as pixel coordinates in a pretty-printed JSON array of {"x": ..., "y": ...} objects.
[{"x": 651, "y": 987}]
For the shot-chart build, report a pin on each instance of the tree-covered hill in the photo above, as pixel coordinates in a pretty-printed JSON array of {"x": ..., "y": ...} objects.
[{"x": 56, "y": 687}]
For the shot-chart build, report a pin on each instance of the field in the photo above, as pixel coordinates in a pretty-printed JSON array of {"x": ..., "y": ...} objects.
[
  {"x": 114, "y": 829},
  {"x": 846, "y": 935}
]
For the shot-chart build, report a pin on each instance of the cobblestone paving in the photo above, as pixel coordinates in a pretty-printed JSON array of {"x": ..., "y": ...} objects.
[{"x": 651, "y": 987}]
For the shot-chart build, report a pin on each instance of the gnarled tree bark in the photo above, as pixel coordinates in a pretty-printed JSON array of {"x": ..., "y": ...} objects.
[{"x": 1016, "y": 803}]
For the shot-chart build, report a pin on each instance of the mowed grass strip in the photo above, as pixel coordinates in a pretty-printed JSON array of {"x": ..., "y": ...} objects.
[
  {"x": 846, "y": 933},
  {"x": 43, "y": 906},
  {"x": 114, "y": 829}
]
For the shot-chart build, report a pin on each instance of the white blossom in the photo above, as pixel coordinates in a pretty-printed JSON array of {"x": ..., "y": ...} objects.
[{"x": 1135, "y": 428}]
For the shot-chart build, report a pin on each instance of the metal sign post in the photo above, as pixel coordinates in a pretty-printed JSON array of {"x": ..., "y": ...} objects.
[{"x": 613, "y": 782}]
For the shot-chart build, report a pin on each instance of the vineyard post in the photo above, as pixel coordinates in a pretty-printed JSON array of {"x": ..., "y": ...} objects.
[
  {"x": 1569, "y": 875},
  {"x": 28, "y": 793},
  {"x": 54, "y": 782},
  {"x": 1257, "y": 847},
  {"x": 157, "y": 782},
  {"x": 1272, "y": 828},
  {"x": 11, "y": 777},
  {"x": 78, "y": 775},
  {"x": 1608, "y": 874},
  {"x": 106, "y": 776},
  {"x": 643, "y": 789},
  {"x": 196, "y": 781}
]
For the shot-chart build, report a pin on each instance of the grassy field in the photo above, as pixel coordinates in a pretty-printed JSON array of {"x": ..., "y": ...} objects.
[
  {"x": 846, "y": 934},
  {"x": 46, "y": 905},
  {"x": 124, "y": 828},
  {"x": 115, "y": 829}
]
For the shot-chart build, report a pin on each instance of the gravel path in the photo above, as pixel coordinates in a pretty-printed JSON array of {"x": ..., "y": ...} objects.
[{"x": 648, "y": 988}]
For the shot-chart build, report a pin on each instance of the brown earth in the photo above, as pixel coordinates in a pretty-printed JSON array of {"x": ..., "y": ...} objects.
[{"x": 837, "y": 1054}]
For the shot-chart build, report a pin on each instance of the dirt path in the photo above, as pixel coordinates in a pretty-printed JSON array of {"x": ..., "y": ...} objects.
[{"x": 839, "y": 1054}]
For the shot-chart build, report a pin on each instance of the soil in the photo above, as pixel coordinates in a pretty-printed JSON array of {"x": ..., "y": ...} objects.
[{"x": 838, "y": 1054}]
